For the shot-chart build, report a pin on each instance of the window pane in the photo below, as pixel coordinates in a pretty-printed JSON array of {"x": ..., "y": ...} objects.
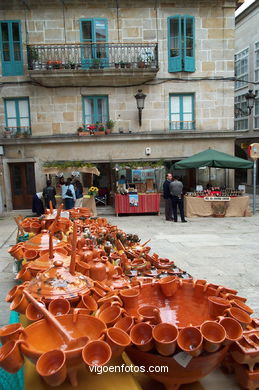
[
  {"x": 16, "y": 35},
  {"x": 4, "y": 29},
  {"x": 189, "y": 47},
  {"x": 102, "y": 110},
  {"x": 23, "y": 108},
  {"x": 89, "y": 111},
  {"x": 24, "y": 122},
  {"x": 17, "y": 51},
  {"x": 11, "y": 122},
  {"x": 87, "y": 30},
  {"x": 100, "y": 31},
  {"x": 187, "y": 104},
  {"x": 10, "y": 109},
  {"x": 189, "y": 28},
  {"x": 174, "y": 38},
  {"x": 6, "y": 52},
  {"x": 175, "y": 104}
]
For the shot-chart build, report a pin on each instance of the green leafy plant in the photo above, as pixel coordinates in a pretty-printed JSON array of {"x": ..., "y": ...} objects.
[
  {"x": 67, "y": 164},
  {"x": 110, "y": 124}
]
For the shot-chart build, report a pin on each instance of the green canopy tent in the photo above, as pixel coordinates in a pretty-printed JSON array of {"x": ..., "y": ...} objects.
[{"x": 213, "y": 158}]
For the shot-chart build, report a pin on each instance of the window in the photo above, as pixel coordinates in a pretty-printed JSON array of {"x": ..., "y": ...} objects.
[
  {"x": 256, "y": 111},
  {"x": 241, "y": 118},
  {"x": 181, "y": 112},
  {"x": 241, "y": 69},
  {"x": 257, "y": 61},
  {"x": 17, "y": 115},
  {"x": 94, "y": 33},
  {"x": 11, "y": 45},
  {"x": 181, "y": 44},
  {"x": 95, "y": 109}
]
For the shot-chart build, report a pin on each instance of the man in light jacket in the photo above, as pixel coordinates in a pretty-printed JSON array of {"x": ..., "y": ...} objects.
[{"x": 68, "y": 194}]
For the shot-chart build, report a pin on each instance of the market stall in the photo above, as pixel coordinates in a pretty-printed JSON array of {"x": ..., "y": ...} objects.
[
  {"x": 58, "y": 169},
  {"x": 138, "y": 190},
  {"x": 217, "y": 202}
]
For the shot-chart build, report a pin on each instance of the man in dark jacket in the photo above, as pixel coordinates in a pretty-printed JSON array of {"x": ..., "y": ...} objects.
[
  {"x": 167, "y": 197},
  {"x": 49, "y": 193},
  {"x": 176, "y": 190}
]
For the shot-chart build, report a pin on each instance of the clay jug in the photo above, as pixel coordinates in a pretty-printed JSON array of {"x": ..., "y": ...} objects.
[{"x": 98, "y": 270}]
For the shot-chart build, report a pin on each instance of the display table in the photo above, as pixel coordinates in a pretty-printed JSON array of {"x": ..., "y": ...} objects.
[
  {"x": 88, "y": 201},
  {"x": 198, "y": 207},
  {"x": 147, "y": 203}
]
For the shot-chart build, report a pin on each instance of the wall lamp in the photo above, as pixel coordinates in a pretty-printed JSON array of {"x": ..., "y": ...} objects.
[
  {"x": 140, "y": 98},
  {"x": 250, "y": 101}
]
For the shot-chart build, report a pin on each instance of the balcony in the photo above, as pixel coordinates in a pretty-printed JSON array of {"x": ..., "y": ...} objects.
[{"x": 92, "y": 64}]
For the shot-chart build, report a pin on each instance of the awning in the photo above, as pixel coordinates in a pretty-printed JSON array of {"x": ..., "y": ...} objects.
[
  {"x": 213, "y": 158},
  {"x": 56, "y": 171}
]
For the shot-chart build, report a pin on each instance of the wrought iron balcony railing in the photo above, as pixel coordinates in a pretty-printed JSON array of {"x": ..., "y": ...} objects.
[{"x": 92, "y": 56}]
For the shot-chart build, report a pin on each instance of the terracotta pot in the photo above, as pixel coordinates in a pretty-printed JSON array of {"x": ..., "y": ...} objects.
[
  {"x": 111, "y": 314},
  {"x": 217, "y": 306},
  {"x": 59, "y": 307},
  {"x": 89, "y": 303},
  {"x": 239, "y": 315},
  {"x": 24, "y": 274},
  {"x": 30, "y": 254},
  {"x": 118, "y": 340},
  {"x": 98, "y": 270},
  {"x": 129, "y": 297},
  {"x": 83, "y": 267},
  {"x": 42, "y": 337},
  {"x": 35, "y": 227},
  {"x": 125, "y": 323},
  {"x": 233, "y": 329},
  {"x": 88, "y": 255},
  {"x": 149, "y": 313},
  {"x": 213, "y": 335},
  {"x": 190, "y": 340},
  {"x": 96, "y": 353},
  {"x": 19, "y": 304},
  {"x": 169, "y": 285},
  {"x": 32, "y": 313},
  {"x": 10, "y": 332},
  {"x": 62, "y": 251},
  {"x": 14, "y": 292},
  {"x": 165, "y": 336},
  {"x": 141, "y": 336},
  {"x": 11, "y": 359},
  {"x": 52, "y": 368},
  {"x": 18, "y": 253},
  {"x": 241, "y": 305}
]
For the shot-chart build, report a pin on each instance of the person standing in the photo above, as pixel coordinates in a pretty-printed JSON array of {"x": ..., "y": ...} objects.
[
  {"x": 79, "y": 194},
  {"x": 68, "y": 194},
  {"x": 49, "y": 193},
  {"x": 176, "y": 191},
  {"x": 167, "y": 197}
]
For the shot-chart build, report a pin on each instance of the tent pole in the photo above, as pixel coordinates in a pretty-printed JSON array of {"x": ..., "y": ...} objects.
[
  {"x": 254, "y": 187},
  {"x": 209, "y": 175}
]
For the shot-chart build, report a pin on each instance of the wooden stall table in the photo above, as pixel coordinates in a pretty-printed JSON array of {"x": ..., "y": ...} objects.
[
  {"x": 198, "y": 207},
  {"x": 88, "y": 202},
  {"x": 147, "y": 203}
]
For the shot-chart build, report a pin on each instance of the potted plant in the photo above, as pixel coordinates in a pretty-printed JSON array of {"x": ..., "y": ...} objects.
[
  {"x": 141, "y": 62},
  {"x": 117, "y": 65},
  {"x": 82, "y": 131},
  {"x": 33, "y": 57},
  {"x": 122, "y": 65},
  {"x": 128, "y": 65},
  {"x": 109, "y": 126},
  {"x": 95, "y": 64}
]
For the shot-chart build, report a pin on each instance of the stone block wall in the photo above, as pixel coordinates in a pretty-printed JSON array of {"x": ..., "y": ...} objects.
[{"x": 59, "y": 110}]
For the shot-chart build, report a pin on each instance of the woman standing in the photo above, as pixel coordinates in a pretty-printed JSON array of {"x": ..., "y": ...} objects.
[{"x": 68, "y": 194}]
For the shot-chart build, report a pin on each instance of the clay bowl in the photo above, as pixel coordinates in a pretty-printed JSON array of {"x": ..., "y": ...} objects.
[
  {"x": 187, "y": 305},
  {"x": 197, "y": 368},
  {"x": 42, "y": 337}
]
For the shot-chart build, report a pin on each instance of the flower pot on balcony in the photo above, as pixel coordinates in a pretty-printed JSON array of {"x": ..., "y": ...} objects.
[
  {"x": 117, "y": 65},
  {"x": 122, "y": 65},
  {"x": 128, "y": 65},
  {"x": 141, "y": 64},
  {"x": 108, "y": 131},
  {"x": 83, "y": 133}
]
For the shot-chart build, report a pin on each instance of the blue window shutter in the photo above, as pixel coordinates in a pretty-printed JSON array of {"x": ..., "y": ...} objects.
[
  {"x": 174, "y": 44},
  {"x": 189, "y": 43},
  {"x": 11, "y": 48}
]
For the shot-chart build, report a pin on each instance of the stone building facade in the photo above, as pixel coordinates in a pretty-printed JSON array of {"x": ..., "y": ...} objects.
[
  {"x": 68, "y": 66},
  {"x": 247, "y": 71}
]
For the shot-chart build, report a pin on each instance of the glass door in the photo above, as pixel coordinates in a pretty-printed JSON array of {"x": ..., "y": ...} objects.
[
  {"x": 11, "y": 45},
  {"x": 94, "y": 52}
]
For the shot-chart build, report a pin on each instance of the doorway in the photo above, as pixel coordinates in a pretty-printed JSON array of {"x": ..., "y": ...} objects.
[{"x": 22, "y": 177}]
